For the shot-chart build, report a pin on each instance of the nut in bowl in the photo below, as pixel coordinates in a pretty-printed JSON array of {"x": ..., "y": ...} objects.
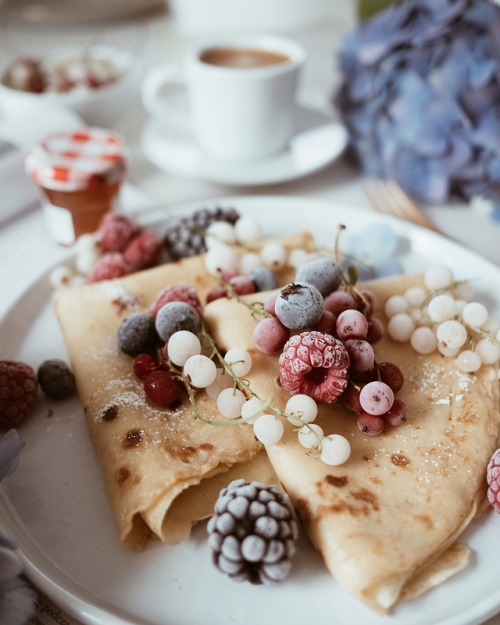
[{"x": 92, "y": 81}]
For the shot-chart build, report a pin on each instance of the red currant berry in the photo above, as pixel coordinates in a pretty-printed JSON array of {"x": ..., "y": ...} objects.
[
  {"x": 392, "y": 375},
  {"x": 351, "y": 324},
  {"x": 161, "y": 388},
  {"x": 338, "y": 301},
  {"x": 326, "y": 323},
  {"x": 397, "y": 414},
  {"x": 370, "y": 424},
  {"x": 270, "y": 303},
  {"x": 375, "y": 330},
  {"x": 270, "y": 335},
  {"x": 351, "y": 399},
  {"x": 144, "y": 364}
]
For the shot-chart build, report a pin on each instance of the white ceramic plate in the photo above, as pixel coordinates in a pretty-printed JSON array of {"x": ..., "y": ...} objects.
[
  {"x": 317, "y": 142},
  {"x": 56, "y": 508}
]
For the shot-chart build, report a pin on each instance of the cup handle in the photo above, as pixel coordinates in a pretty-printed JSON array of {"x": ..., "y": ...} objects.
[{"x": 157, "y": 103}]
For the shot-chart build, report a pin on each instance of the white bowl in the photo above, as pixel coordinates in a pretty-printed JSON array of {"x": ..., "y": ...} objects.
[{"x": 99, "y": 106}]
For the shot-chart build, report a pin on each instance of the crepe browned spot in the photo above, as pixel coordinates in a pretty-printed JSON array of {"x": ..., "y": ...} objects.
[
  {"x": 162, "y": 467},
  {"x": 386, "y": 522}
]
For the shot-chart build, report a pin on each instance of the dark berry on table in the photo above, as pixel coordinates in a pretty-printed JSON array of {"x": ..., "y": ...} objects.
[
  {"x": 144, "y": 364},
  {"x": 253, "y": 533},
  {"x": 180, "y": 292},
  {"x": 161, "y": 388},
  {"x": 375, "y": 330},
  {"x": 392, "y": 375},
  {"x": 56, "y": 379},
  {"x": 396, "y": 414},
  {"x": 176, "y": 316},
  {"x": 144, "y": 250},
  {"x": 338, "y": 301},
  {"x": 18, "y": 389},
  {"x": 361, "y": 355},
  {"x": 137, "y": 334},
  {"x": 351, "y": 401},
  {"x": 187, "y": 237},
  {"x": 323, "y": 273},
  {"x": 116, "y": 231},
  {"x": 299, "y": 306},
  {"x": 264, "y": 279}
]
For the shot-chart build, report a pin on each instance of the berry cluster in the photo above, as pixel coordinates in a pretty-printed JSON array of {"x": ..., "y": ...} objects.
[
  {"x": 19, "y": 387},
  {"x": 443, "y": 316},
  {"x": 120, "y": 247}
]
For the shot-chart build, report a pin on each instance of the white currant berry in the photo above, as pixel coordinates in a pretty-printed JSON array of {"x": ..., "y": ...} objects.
[
  {"x": 310, "y": 435},
  {"x": 223, "y": 379},
  {"x": 395, "y": 304},
  {"x": 297, "y": 257},
  {"x": 451, "y": 333},
  {"x": 61, "y": 276},
  {"x": 273, "y": 255},
  {"x": 491, "y": 326},
  {"x": 221, "y": 258},
  {"x": 239, "y": 360},
  {"x": 78, "y": 280},
  {"x": 475, "y": 314},
  {"x": 419, "y": 318},
  {"x": 230, "y": 402},
  {"x": 449, "y": 352},
  {"x": 200, "y": 370},
  {"x": 400, "y": 327},
  {"x": 464, "y": 291},
  {"x": 460, "y": 304},
  {"x": 437, "y": 277},
  {"x": 304, "y": 407},
  {"x": 488, "y": 351},
  {"x": 441, "y": 308},
  {"x": 423, "y": 340},
  {"x": 335, "y": 450},
  {"x": 86, "y": 260},
  {"x": 87, "y": 241},
  {"x": 250, "y": 262},
  {"x": 468, "y": 361},
  {"x": 181, "y": 346},
  {"x": 252, "y": 409},
  {"x": 415, "y": 296},
  {"x": 247, "y": 230},
  {"x": 268, "y": 429},
  {"x": 219, "y": 233}
]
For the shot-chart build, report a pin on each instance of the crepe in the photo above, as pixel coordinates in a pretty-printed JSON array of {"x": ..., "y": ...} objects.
[
  {"x": 386, "y": 522},
  {"x": 161, "y": 467}
]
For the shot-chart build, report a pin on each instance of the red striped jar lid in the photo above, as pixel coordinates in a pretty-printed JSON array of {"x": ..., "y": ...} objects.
[{"x": 77, "y": 160}]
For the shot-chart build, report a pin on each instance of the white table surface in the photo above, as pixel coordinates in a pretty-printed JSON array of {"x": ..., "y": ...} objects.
[{"x": 26, "y": 250}]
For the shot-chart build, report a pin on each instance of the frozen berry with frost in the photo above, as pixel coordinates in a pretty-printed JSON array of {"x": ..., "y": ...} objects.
[
  {"x": 270, "y": 335},
  {"x": 218, "y": 292},
  {"x": 239, "y": 360},
  {"x": 351, "y": 324},
  {"x": 176, "y": 316},
  {"x": 301, "y": 409},
  {"x": 299, "y": 306},
  {"x": 361, "y": 355},
  {"x": 475, "y": 314},
  {"x": 437, "y": 277},
  {"x": 230, "y": 402},
  {"x": 161, "y": 388},
  {"x": 250, "y": 261},
  {"x": 270, "y": 303},
  {"x": 370, "y": 424},
  {"x": 144, "y": 250},
  {"x": 493, "y": 478},
  {"x": 220, "y": 259},
  {"x": 180, "y": 292},
  {"x": 223, "y": 380},
  {"x": 248, "y": 230},
  {"x": 137, "y": 334},
  {"x": 442, "y": 307},
  {"x": 181, "y": 346},
  {"x": 110, "y": 266},
  {"x": 273, "y": 255},
  {"x": 376, "y": 398},
  {"x": 351, "y": 401},
  {"x": 252, "y": 409},
  {"x": 18, "y": 389},
  {"x": 264, "y": 279},
  {"x": 219, "y": 233},
  {"x": 56, "y": 379},
  {"x": 310, "y": 435},
  {"x": 400, "y": 327},
  {"x": 397, "y": 413},
  {"x": 375, "y": 330},
  {"x": 241, "y": 285},
  {"x": 423, "y": 340},
  {"x": 323, "y": 273},
  {"x": 327, "y": 323},
  {"x": 314, "y": 364},
  {"x": 268, "y": 429},
  {"x": 391, "y": 375},
  {"x": 116, "y": 231},
  {"x": 335, "y": 450},
  {"x": 338, "y": 301},
  {"x": 200, "y": 370}
]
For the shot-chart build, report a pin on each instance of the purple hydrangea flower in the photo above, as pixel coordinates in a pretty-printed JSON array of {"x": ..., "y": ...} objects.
[
  {"x": 17, "y": 597},
  {"x": 421, "y": 96}
]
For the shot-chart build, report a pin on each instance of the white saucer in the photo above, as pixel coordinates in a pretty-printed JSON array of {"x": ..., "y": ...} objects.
[{"x": 317, "y": 142}]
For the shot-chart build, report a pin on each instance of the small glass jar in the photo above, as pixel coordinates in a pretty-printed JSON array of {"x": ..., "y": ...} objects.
[{"x": 79, "y": 175}]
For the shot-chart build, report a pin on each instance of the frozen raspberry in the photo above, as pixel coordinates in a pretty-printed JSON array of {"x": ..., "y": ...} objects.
[
  {"x": 116, "y": 231},
  {"x": 144, "y": 250},
  {"x": 314, "y": 364},
  {"x": 180, "y": 292},
  {"x": 493, "y": 478},
  {"x": 111, "y": 265},
  {"x": 18, "y": 387}
]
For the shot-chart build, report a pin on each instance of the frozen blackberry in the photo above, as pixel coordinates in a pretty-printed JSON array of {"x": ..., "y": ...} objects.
[
  {"x": 187, "y": 237},
  {"x": 253, "y": 532},
  {"x": 56, "y": 379},
  {"x": 137, "y": 335},
  {"x": 176, "y": 316},
  {"x": 323, "y": 273},
  {"x": 263, "y": 279}
]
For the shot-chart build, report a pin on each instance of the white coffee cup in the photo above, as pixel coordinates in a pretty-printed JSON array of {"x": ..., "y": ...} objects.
[{"x": 237, "y": 112}]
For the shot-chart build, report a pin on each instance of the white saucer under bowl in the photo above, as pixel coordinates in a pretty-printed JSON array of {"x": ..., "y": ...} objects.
[{"x": 317, "y": 142}]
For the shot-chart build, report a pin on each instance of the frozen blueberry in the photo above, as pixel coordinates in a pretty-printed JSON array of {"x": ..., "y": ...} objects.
[
  {"x": 176, "y": 316},
  {"x": 137, "y": 334},
  {"x": 263, "y": 279},
  {"x": 299, "y": 306},
  {"x": 323, "y": 273},
  {"x": 56, "y": 379}
]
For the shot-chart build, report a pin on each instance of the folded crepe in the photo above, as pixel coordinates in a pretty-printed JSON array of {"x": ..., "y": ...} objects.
[
  {"x": 386, "y": 522},
  {"x": 163, "y": 469}
]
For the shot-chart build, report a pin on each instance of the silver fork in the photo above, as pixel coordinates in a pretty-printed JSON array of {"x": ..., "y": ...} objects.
[{"x": 386, "y": 196}]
